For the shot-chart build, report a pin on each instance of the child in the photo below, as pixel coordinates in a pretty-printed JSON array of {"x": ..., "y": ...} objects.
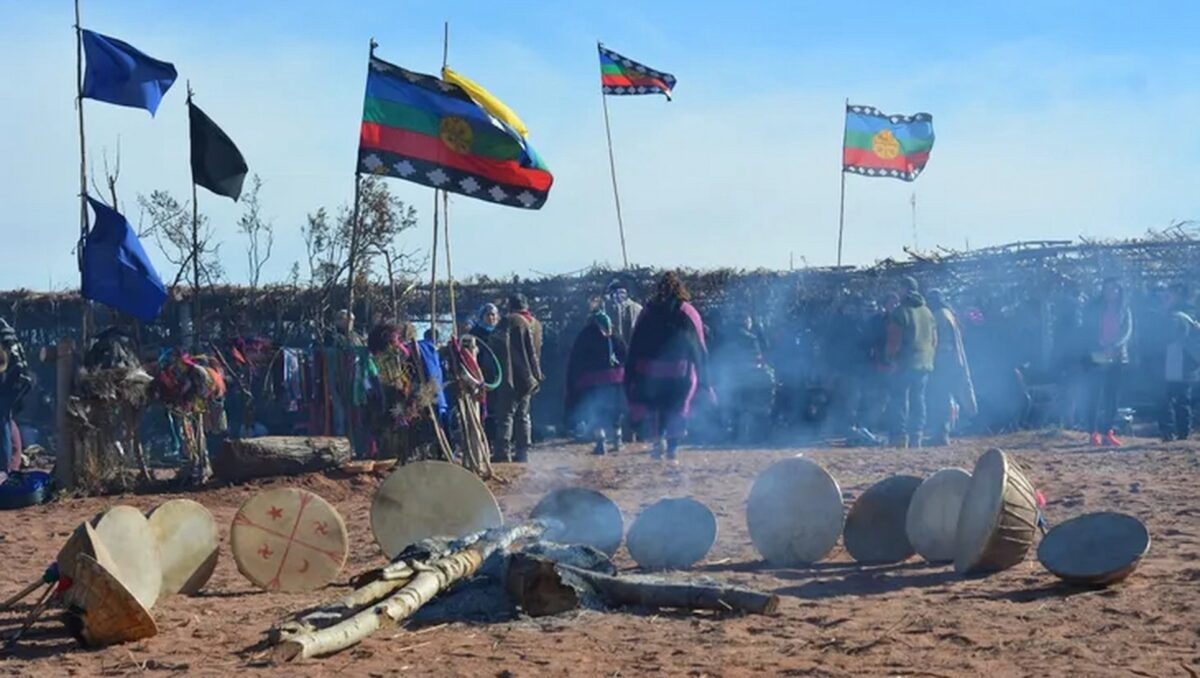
[{"x": 1182, "y": 372}]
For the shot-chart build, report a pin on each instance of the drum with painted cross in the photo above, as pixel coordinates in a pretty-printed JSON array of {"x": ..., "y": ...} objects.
[{"x": 288, "y": 539}]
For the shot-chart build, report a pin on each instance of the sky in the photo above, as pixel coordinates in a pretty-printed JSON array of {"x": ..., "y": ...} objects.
[{"x": 1054, "y": 119}]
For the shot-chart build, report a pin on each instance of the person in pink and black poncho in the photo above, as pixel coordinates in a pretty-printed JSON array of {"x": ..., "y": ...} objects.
[{"x": 667, "y": 365}]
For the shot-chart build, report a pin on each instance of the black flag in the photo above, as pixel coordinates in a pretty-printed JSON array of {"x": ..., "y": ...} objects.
[{"x": 217, "y": 164}]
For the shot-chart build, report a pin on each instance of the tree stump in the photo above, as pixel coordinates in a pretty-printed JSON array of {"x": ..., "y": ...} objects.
[{"x": 244, "y": 459}]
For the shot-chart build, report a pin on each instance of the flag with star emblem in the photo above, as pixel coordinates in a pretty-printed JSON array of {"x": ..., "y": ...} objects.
[
  {"x": 623, "y": 76},
  {"x": 426, "y": 130},
  {"x": 882, "y": 145}
]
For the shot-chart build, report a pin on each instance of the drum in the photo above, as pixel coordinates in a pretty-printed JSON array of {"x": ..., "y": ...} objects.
[
  {"x": 998, "y": 520},
  {"x": 1095, "y": 549},
  {"x": 188, "y": 544},
  {"x": 794, "y": 513},
  {"x": 101, "y": 611},
  {"x": 875, "y": 531},
  {"x": 82, "y": 541},
  {"x": 586, "y": 517},
  {"x": 933, "y": 514},
  {"x": 127, "y": 537},
  {"x": 288, "y": 539},
  {"x": 430, "y": 499},
  {"x": 672, "y": 534}
]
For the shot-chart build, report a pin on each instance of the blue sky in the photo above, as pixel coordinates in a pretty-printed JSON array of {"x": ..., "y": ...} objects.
[{"x": 1054, "y": 120}]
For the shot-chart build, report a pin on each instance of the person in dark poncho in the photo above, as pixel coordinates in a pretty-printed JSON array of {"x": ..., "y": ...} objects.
[
  {"x": 517, "y": 343},
  {"x": 667, "y": 365},
  {"x": 15, "y": 382},
  {"x": 595, "y": 373}
]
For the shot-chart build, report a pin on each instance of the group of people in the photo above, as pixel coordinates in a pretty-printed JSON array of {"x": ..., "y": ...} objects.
[{"x": 898, "y": 365}]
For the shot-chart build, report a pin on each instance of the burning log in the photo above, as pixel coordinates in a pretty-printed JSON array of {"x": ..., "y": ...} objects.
[
  {"x": 248, "y": 458},
  {"x": 542, "y": 586}
]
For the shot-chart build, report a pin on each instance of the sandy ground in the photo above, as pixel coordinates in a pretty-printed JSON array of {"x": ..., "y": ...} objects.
[{"x": 837, "y": 618}]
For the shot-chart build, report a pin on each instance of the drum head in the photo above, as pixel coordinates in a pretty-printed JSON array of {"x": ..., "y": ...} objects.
[
  {"x": 1095, "y": 549},
  {"x": 288, "y": 539},
  {"x": 794, "y": 512},
  {"x": 430, "y": 499},
  {"x": 875, "y": 524},
  {"x": 587, "y": 517},
  {"x": 128, "y": 539},
  {"x": 933, "y": 514},
  {"x": 188, "y": 544},
  {"x": 672, "y": 534}
]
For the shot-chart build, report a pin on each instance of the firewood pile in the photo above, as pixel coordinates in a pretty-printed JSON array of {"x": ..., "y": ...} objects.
[{"x": 540, "y": 578}]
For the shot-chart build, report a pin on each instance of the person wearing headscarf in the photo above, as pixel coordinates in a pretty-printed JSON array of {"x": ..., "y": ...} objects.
[
  {"x": 595, "y": 373},
  {"x": 517, "y": 343},
  {"x": 485, "y": 321},
  {"x": 623, "y": 310},
  {"x": 667, "y": 365},
  {"x": 1107, "y": 328},
  {"x": 911, "y": 344},
  {"x": 15, "y": 382},
  {"x": 950, "y": 381}
]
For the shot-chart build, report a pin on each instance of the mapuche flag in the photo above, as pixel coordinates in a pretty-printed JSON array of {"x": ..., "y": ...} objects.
[
  {"x": 623, "y": 76},
  {"x": 881, "y": 145},
  {"x": 217, "y": 164},
  {"x": 429, "y": 131},
  {"x": 119, "y": 74},
  {"x": 116, "y": 270}
]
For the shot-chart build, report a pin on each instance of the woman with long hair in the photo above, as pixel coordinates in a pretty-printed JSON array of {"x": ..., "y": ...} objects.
[
  {"x": 1108, "y": 326},
  {"x": 667, "y": 365}
]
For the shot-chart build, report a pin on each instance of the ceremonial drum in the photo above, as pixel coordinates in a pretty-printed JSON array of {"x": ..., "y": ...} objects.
[
  {"x": 794, "y": 512},
  {"x": 672, "y": 534},
  {"x": 105, "y": 612},
  {"x": 586, "y": 517},
  {"x": 932, "y": 518},
  {"x": 188, "y": 545},
  {"x": 998, "y": 520},
  {"x": 1096, "y": 549},
  {"x": 82, "y": 541},
  {"x": 127, "y": 537},
  {"x": 875, "y": 524},
  {"x": 430, "y": 499},
  {"x": 288, "y": 539}
]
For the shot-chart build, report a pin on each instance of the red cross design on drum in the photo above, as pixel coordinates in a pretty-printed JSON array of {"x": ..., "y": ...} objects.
[{"x": 289, "y": 539}]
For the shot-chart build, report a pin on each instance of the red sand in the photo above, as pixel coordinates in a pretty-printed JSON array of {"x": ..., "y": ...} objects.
[{"x": 836, "y": 618}]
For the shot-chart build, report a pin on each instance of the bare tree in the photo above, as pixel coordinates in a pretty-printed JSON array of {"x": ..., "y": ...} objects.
[
  {"x": 260, "y": 233},
  {"x": 170, "y": 222},
  {"x": 343, "y": 247},
  {"x": 111, "y": 175}
]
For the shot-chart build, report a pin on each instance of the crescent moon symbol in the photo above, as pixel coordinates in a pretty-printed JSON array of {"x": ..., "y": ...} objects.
[{"x": 305, "y": 568}]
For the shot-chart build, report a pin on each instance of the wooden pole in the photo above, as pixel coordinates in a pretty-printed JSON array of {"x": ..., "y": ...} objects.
[
  {"x": 64, "y": 453},
  {"x": 916, "y": 240},
  {"x": 433, "y": 266},
  {"x": 355, "y": 227},
  {"x": 842, "y": 207},
  {"x": 195, "y": 250},
  {"x": 446, "y": 206},
  {"x": 612, "y": 166},
  {"x": 85, "y": 328}
]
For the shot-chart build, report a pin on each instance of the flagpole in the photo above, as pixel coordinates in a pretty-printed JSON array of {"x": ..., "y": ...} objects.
[
  {"x": 195, "y": 246},
  {"x": 913, "y": 201},
  {"x": 842, "y": 207},
  {"x": 83, "y": 207},
  {"x": 352, "y": 265},
  {"x": 446, "y": 207},
  {"x": 433, "y": 266},
  {"x": 612, "y": 166}
]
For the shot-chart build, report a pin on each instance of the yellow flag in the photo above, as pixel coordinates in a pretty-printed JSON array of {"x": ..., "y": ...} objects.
[{"x": 484, "y": 98}]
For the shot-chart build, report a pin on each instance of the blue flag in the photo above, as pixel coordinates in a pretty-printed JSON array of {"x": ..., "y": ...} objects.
[
  {"x": 116, "y": 270},
  {"x": 121, "y": 75}
]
